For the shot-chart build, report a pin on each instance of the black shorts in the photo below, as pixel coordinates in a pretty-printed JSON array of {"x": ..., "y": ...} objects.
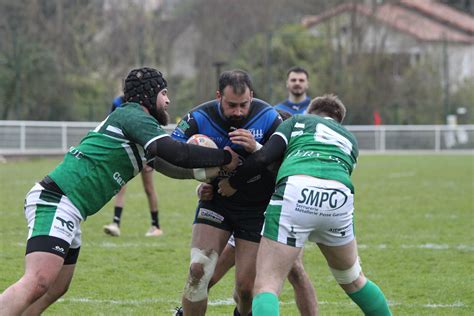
[
  {"x": 54, "y": 245},
  {"x": 246, "y": 225}
]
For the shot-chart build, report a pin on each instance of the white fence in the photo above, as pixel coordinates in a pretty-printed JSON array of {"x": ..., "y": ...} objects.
[{"x": 44, "y": 138}]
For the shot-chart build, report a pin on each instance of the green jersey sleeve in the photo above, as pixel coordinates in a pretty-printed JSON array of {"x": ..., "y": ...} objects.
[{"x": 144, "y": 131}]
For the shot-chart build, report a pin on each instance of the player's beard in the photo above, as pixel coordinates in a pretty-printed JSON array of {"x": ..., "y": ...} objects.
[
  {"x": 236, "y": 121},
  {"x": 297, "y": 92},
  {"x": 161, "y": 115}
]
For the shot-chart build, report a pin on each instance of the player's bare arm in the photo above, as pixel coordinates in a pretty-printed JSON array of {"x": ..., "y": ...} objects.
[{"x": 244, "y": 138}]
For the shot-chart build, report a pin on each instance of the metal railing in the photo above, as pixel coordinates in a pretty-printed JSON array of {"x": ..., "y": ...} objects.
[{"x": 52, "y": 138}]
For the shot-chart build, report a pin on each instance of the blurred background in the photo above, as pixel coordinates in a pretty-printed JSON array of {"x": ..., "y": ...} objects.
[{"x": 392, "y": 62}]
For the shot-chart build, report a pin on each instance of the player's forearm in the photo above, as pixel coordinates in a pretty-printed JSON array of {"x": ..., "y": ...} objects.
[
  {"x": 188, "y": 156},
  {"x": 251, "y": 167},
  {"x": 171, "y": 170},
  {"x": 176, "y": 172},
  {"x": 272, "y": 151}
]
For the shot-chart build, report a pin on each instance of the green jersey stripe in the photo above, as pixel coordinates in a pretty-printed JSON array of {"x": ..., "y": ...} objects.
[
  {"x": 43, "y": 219},
  {"x": 273, "y": 212},
  {"x": 51, "y": 197}
]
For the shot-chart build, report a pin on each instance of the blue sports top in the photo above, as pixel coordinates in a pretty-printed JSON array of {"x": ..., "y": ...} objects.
[
  {"x": 261, "y": 121},
  {"x": 116, "y": 103},
  {"x": 294, "y": 108}
]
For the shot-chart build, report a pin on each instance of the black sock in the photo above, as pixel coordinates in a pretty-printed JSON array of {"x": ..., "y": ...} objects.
[
  {"x": 155, "y": 221},
  {"x": 117, "y": 214},
  {"x": 236, "y": 312}
]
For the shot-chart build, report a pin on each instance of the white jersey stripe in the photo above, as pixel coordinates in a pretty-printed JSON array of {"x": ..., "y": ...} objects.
[
  {"x": 100, "y": 125},
  {"x": 141, "y": 152},
  {"x": 115, "y": 130},
  {"x": 276, "y": 202},
  {"x": 132, "y": 158},
  {"x": 116, "y": 138}
]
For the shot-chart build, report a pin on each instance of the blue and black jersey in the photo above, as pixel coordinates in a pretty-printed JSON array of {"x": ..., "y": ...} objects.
[
  {"x": 116, "y": 103},
  {"x": 294, "y": 108},
  {"x": 261, "y": 121}
]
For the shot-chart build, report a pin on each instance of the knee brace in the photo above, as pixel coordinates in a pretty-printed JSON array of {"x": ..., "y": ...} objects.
[
  {"x": 347, "y": 276},
  {"x": 197, "y": 291}
]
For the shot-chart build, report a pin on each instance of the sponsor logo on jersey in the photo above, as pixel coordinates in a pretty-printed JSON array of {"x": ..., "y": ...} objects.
[
  {"x": 59, "y": 249},
  {"x": 292, "y": 231},
  {"x": 68, "y": 224},
  {"x": 296, "y": 133},
  {"x": 183, "y": 126},
  {"x": 75, "y": 153},
  {"x": 257, "y": 133},
  {"x": 304, "y": 153},
  {"x": 65, "y": 228},
  {"x": 118, "y": 178},
  {"x": 210, "y": 215},
  {"x": 342, "y": 230},
  {"x": 322, "y": 198}
]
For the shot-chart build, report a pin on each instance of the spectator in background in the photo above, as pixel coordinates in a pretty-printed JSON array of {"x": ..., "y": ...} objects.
[
  {"x": 113, "y": 229},
  {"x": 297, "y": 85}
]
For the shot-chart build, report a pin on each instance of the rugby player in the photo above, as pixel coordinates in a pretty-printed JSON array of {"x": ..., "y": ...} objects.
[
  {"x": 89, "y": 176},
  {"x": 236, "y": 119},
  {"x": 313, "y": 200}
]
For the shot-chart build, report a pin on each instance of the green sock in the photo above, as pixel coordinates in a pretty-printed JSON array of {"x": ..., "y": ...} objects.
[
  {"x": 265, "y": 304},
  {"x": 371, "y": 300}
]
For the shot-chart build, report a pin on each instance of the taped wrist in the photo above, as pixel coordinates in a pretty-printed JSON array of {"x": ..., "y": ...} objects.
[
  {"x": 203, "y": 174},
  {"x": 258, "y": 146}
]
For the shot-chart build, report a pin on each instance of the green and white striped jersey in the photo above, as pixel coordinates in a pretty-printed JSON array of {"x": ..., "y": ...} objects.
[
  {"x": 107, "y": 158},
  {"x": 318, "y": 147}
]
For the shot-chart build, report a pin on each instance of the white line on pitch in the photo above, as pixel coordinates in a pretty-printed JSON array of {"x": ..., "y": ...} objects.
[{"x": 230, "y": 301}]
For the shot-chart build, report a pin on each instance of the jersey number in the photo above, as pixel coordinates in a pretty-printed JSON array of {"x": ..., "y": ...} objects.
[{"x": 326, "y": 135}]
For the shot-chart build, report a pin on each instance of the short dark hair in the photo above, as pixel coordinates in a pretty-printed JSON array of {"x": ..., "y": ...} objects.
[
  {"x": 297, "y": 69},
  {"x": 284, "y": 115},
  {"x": 328, "y": 105},
  {"x": 238, "y": 79}
]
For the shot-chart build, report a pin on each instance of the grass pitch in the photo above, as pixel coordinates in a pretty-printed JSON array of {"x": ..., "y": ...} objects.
[{"x": 414, "y": 219}]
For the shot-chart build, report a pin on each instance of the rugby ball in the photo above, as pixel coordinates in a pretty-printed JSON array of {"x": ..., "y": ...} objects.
[{"x": 201, "y": 140}]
